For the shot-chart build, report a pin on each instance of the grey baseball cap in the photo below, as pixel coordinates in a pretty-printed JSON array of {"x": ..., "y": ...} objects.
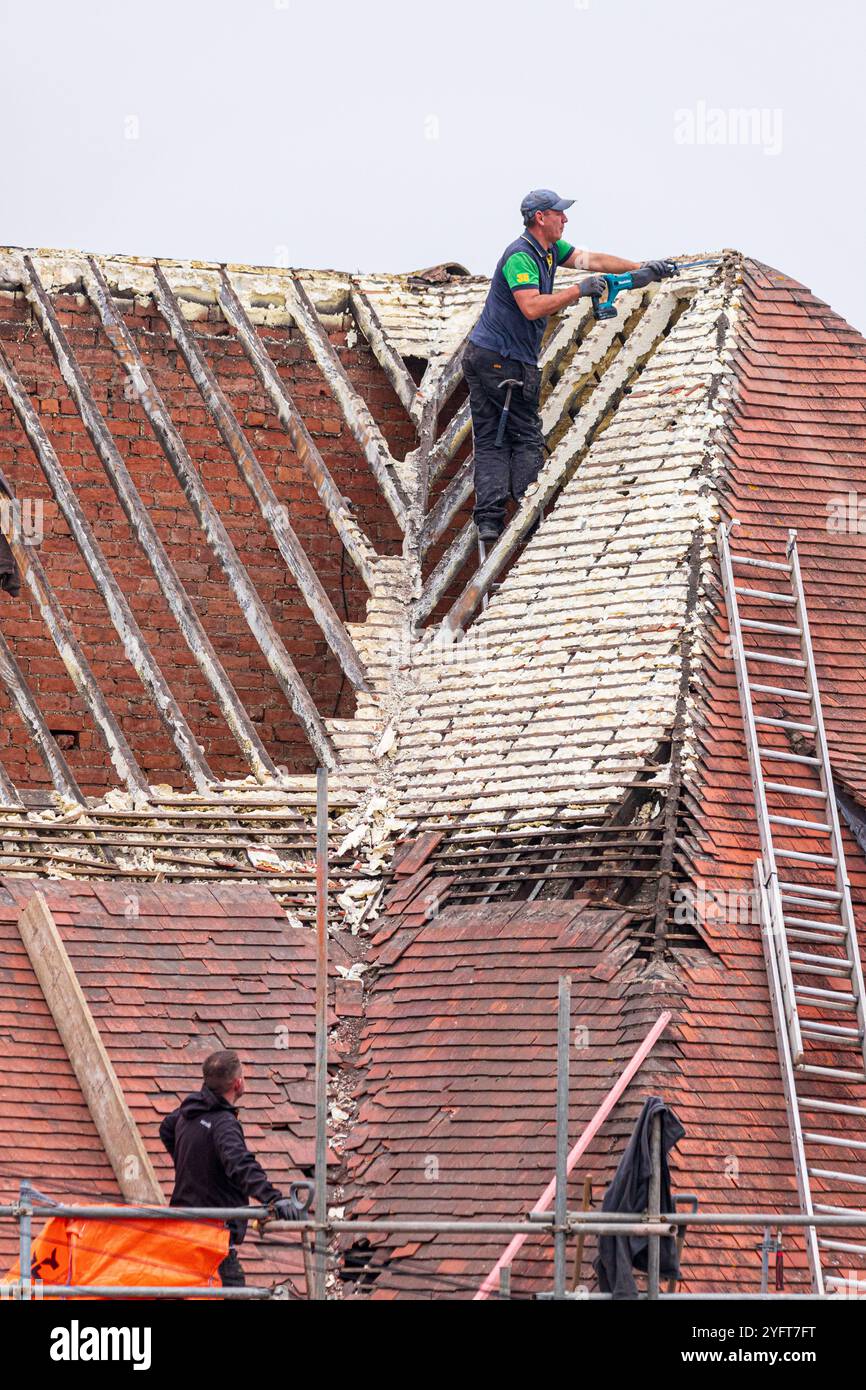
[{"x": 542, "y": 198}]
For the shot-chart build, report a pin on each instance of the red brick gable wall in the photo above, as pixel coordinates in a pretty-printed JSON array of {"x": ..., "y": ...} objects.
[{"x": 200, "y": 573}]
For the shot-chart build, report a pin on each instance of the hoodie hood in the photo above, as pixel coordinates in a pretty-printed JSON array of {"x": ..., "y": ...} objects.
[{"x": 203, "y": 1102}]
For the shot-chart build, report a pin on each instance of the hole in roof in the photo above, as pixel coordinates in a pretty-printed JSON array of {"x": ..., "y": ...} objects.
[
  {"x": 416, "y": 367},
  {"x": 357, "y": 1268}
]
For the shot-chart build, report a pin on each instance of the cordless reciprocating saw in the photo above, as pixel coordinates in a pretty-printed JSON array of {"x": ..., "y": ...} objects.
[{"x": 631, "y": 280}]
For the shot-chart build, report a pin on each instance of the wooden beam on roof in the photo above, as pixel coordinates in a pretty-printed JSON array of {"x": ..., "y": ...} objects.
[
  {"x": 358, "y": 546},
  {"x": 441, "y": 380},
  {"x": 71, "y": 654},
  {"x": 100, "y": 1087},
  {"x": 450, "y": 440},
  {"x": 249, "y": 600},
  {"x": 386, "y": 354},
  {"x": 12, "y": 678},
  {"x": 273, "y": 512},
  {"x": 446, "y": 571},
  {"x": 145, "y": 532},
  {"x": 8, "y": 790},
  {"x": 448, "y": 504},
  {"x": 356, "y": 412},
  {"x": 125, "y": 624}
]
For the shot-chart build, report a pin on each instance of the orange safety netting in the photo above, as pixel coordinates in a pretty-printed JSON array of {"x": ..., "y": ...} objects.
[{"x": 128, "y": 1253}]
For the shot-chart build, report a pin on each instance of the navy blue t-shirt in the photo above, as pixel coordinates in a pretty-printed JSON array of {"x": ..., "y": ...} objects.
[{"x": 523, "y": 265}]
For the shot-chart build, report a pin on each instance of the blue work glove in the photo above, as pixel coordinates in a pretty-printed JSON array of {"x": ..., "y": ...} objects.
[{"x": 594, "y": 286}]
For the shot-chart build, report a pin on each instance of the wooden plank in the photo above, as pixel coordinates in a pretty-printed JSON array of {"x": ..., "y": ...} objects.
[{"x": 80, "y": 1036}]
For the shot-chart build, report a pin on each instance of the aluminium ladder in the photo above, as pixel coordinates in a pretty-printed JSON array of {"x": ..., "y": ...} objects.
[{"x": 807, "y": 923}]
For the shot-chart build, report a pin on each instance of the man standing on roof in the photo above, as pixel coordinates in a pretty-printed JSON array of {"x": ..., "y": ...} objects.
[
  {"x": 213, "y": 1166},
  {"x": 505, "y": 343}
]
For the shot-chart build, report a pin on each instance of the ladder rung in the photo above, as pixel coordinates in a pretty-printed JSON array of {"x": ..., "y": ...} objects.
[
  {"x": 837, "y": 1280},
  {"x": 801, "y": 824},
  {"x": 843, "y": 1177},
  {"x": 803, "y": 856},
  {"x": 755, "y": 563},
  {"x": 827, "y": 1073},
  {"x": 784, "y": 724},
  {"x": 835, "y": 1107},
  {"x": 822, "y": 965},
  {"x": 765, "y": 594},
  {"x": 835, "y": 1141},
  {"x": 830, "y": 961},
  {"x": 827, "y": 998},
  {"x": 778, "y": 756},
  {"x": 807, "y": 890},
  {"x": 776, "y": 657},
  {"x": 783, "y": 691},
  {"x": 813, "y": 922},
  {"x": 819, "y": 939},
  {"x": 770, "y": 627},
  {"x": 846, "y": 1245},
  {"x": 805, "y": 902},
  {"x": 813, "y": 1028},
  {"x": 837, "y": 1211},
  {"x": 822, "y": 1001},
  {"x": 788, "y": 790}
]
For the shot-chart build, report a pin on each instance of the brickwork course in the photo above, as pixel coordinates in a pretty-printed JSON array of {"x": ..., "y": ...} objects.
[{"x": 542, "y": 763}]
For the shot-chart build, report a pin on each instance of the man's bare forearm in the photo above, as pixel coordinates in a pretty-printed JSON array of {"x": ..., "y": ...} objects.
[
  {"x": 534, "y": 305},
  {"x": 613, "y": 265}
]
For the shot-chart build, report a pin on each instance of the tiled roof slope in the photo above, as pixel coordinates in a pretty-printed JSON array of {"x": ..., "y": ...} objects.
[
  {"x": 170, "y": 974},
  {"x": 797, "y": 458},
  {"x": 456, "y": 1110},
  {"x": 424, "y": 316},
  {"x": 797, "y": 449},
  {"x": 791, "y": 453},
  {"x": 733, "y": 393},
  {"x": 571, "y": 674},
  {"x": 458, "y": 1101}
]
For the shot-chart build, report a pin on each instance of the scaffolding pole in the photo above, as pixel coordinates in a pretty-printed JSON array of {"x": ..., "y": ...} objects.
[
  {"x": 321, "y": 1241},
  {"x": 560, "y": 1226},
  {"x": 654, "y": 1207},
  {"x": 25, "y": 1239},
  {"x": 30, "y": 1204}
]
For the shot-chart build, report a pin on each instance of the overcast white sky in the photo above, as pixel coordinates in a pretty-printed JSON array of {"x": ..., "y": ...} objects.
[{"x": 362, "y": 134}]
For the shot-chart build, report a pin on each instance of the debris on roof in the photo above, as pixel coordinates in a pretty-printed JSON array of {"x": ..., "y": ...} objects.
[{"x": 554, "y": 781}]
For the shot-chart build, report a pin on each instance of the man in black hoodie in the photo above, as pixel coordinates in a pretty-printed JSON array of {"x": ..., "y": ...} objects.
[{"x": 212, "y": 1164}]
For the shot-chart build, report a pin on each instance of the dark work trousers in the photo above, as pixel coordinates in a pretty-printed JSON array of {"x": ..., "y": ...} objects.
[
  {"x": 231, "y": 1271},
  {"x": 509, "y": 470}
]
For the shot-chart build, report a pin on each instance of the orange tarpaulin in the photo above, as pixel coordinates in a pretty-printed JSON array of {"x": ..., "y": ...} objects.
[{"x": 140, "y": 1251}]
